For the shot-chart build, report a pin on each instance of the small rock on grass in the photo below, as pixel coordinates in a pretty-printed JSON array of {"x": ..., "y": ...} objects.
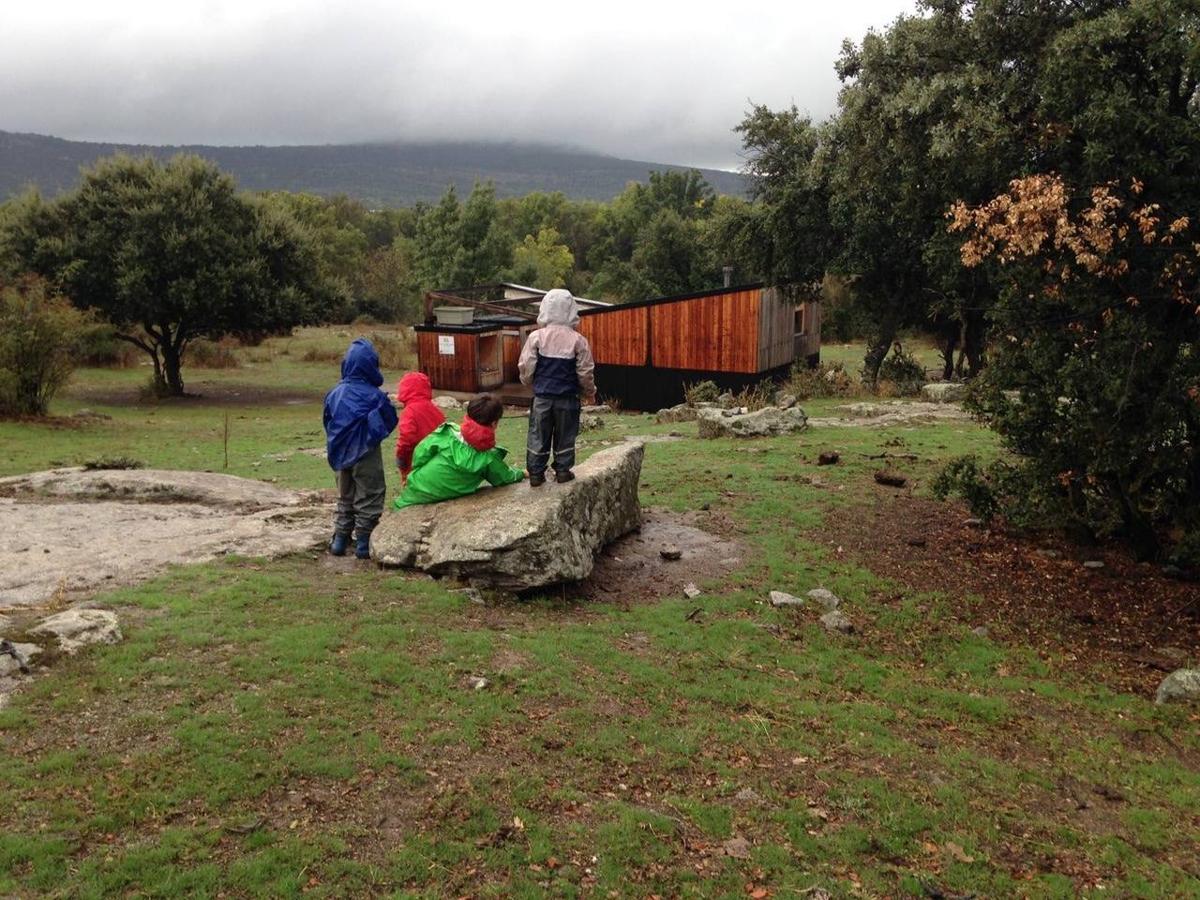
[
  {"x": 835, "y": 621},
  {"x": 747, "y": 795},
  {"x": 826, "y": 598},
  {"x": 10, "y": 664},
  {"x": 980, "y": 631},
  {"x": 1181, "y": 686},
  {"x": 670, "y": 553},
  {"x": 890, "y": 477},
  {"x": 76, "y": 628},
  {"x": 781, "y": 598},
  {"x": 691, "y": 591},
  {"x": 828, "y": 458},
  {"x": 477, "y": 682},
  {"x": 737, "y": 847}
]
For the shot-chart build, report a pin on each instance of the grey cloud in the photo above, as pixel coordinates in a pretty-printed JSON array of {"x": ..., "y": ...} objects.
[{"x": 670, "y": 91}]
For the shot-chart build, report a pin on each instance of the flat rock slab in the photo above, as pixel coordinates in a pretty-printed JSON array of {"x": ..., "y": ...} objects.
[
  {"x": 73, "y": 532},
  {"x": 767, "y": 422},
  {"x": 517, "y": 537},
  {"x": 152, "y": 486},
  {"x": 890, "y": 413}
]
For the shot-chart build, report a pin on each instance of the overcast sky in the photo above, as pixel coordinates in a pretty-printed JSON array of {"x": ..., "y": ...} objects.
[{"x": 649, "y": 80}]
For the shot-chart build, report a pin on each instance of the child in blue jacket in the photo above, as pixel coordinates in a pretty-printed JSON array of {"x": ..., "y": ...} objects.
[{"x": 358, "y": 416}]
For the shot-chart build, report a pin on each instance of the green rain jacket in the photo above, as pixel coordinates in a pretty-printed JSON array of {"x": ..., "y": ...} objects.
[{"x": 449, "y": 464}]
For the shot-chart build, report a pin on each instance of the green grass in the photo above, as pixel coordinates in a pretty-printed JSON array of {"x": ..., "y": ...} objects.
[{"x": 274, "y": 728}]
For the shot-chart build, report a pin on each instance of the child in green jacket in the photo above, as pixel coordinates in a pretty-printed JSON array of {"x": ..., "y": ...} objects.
[{"x": 453, "y": 462}]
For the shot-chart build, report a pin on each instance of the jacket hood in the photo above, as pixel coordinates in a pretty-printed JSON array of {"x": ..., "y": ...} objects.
[
  {"x": 481, "y": 437},
  {"x": 414, "y": 386},
  {"x": 558, "y": 308},
  {"x": 361, "y": 363}
]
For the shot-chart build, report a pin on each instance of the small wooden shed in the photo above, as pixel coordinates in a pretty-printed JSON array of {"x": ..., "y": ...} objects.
[{"x": 646, "y": 352}]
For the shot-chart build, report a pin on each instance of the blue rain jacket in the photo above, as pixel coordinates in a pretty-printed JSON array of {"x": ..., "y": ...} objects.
[{"x": 358, "y": 416}]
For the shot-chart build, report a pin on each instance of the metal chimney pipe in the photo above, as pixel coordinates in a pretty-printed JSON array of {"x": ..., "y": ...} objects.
[{"x": 727, "y": 271}]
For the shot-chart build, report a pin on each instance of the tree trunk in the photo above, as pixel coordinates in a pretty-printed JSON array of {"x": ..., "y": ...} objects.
[
  {"x": 172, "y": 360},
  {"x": 975, "y": 343},
  {"x": 878, "y": 346}
]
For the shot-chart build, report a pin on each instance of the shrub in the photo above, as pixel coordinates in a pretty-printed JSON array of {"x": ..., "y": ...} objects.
[
  {"x": 39, "y": 337},
  {"x": 205, "y": 354},
  {"x": 319, "y": 354},
  {"x": 100, "y": 346},
  {"x": 756, "y": 396},
  {"x": 825, "y": 380},
  {"x": 700, "y": 392},
  {"x": 904, "y": 371},
  {"x": 1101, "y": 320},
  {"x": 395, "y": 349}
]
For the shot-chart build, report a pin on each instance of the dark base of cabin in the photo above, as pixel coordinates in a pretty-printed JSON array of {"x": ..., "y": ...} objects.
[{"x": 649, "y": 389}]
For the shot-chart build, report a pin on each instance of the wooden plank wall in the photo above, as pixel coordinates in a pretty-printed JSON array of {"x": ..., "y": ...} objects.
[
  {"x": 619, "y": 337},
  {"x": 449, "y": 373},
  {"x": 719, "y": 333},
  {"x": 776, "y": 344}
]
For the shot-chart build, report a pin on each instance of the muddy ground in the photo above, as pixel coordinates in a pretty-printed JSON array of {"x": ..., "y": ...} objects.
[{"x": 1125, "y": 624}]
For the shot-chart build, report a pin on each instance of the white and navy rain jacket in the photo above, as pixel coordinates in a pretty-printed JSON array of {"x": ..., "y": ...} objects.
[{"x": 556, "y": 359}]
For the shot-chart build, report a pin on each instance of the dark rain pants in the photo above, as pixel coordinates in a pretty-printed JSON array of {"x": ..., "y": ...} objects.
[
  {"x": 361, "y": 492},
  {"x": 553, "y": 425}
]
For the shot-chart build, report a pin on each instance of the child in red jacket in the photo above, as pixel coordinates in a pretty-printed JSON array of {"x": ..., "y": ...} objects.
[{"x": 419, "y": 419}]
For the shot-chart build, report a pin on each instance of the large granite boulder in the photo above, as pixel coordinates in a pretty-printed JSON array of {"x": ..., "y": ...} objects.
[
  {"x": 771, "y": 420},
  {"x": 517, "y": 537}
]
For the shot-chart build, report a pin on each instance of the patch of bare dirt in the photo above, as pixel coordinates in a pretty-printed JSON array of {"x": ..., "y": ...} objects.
[
  {"x": 635, "y": 569},
  {"x": 1125, "y": 623},
  {"x": 200, "y": 392}
]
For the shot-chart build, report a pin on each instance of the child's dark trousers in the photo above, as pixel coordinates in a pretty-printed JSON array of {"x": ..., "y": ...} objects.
[
  {"x": 553, "y": 425},
  {"x": 361, "y": 492}
]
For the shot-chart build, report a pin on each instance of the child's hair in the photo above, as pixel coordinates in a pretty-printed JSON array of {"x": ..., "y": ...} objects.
[{"x": 485, "y": 409}]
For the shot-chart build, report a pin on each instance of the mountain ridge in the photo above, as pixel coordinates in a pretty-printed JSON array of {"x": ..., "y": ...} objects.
[{"x": 380, "y": 174}]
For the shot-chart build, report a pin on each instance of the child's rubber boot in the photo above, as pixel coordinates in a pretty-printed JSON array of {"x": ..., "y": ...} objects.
[
  {"x": 339, "y": 544},
  {"x": 564, "y": 477},
  {"x": 536, "y": 480},
  {"x": 362, "y": 549}
]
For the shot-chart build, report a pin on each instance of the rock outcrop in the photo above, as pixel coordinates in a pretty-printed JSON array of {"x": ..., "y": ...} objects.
[
  {"x": 770, "y": 421},
  {"x": 73, "y": 531},
  {"x": 516, "y": 537},
  {"x": 152, "y": 486}
]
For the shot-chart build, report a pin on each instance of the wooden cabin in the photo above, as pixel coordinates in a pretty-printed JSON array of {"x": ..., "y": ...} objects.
[{"x": 646, "y": 352}]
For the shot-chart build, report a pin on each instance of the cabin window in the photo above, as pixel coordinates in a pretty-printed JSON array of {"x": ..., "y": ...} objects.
[{"x": 801, "y": 319}]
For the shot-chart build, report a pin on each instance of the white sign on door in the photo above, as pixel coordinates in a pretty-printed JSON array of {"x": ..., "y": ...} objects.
[{"x": 446, "y": 344}]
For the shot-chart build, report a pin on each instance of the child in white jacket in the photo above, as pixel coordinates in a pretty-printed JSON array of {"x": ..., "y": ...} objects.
[{"x": 557, "y": 361}]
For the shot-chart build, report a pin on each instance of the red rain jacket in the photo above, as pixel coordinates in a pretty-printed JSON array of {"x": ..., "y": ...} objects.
[{"x": 419, "y": 419}]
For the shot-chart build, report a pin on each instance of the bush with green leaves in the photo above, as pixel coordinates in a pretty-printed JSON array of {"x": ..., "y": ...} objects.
[
  {"x": 39, "y": 337},
  {"x": 1094, "y": 386},
  {"x": 902, "y": 370}
]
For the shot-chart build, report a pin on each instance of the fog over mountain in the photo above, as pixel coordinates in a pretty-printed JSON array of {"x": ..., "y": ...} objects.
[
  {"x": 642, "y": 80},
  {"x": 383, "y": 174}
]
